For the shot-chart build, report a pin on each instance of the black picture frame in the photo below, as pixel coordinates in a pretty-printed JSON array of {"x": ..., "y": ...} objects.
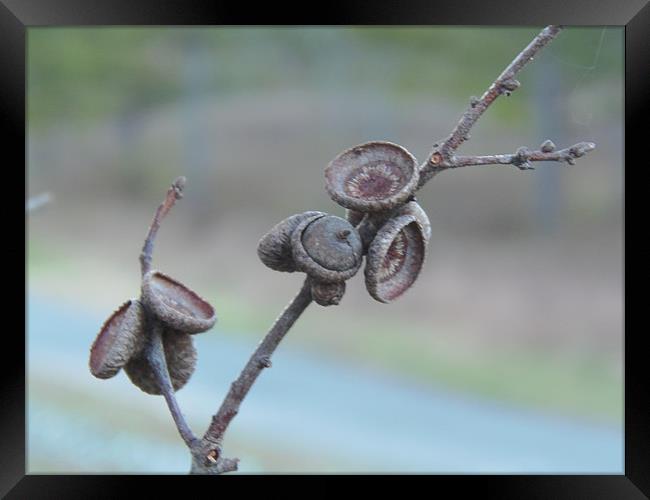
[{"x": 17, "y": 15}]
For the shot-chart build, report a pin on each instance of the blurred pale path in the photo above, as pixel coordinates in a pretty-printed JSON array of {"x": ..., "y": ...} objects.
[{"x": 315, "y": 413}]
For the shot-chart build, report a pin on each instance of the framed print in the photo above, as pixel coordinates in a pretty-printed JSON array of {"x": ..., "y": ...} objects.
[{"x": 384, "y": 243}]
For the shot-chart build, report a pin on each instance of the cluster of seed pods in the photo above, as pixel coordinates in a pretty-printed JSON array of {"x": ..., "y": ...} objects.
[
  {"x": 375, "y": 182},
  {"x": 167, "y": 305}
]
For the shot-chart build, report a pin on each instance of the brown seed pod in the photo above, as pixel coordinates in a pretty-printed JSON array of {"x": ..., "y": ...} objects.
[
  {"x": 274, "y": 248},
  {"x": 327, "y": 248},
  {"x": 395, "y": 258},
  {"x": 180, "y": 355},
  {"x": 372, "y": 177},
  {"x": 354, "y": 217},
  {"x": 327, "y": 294},
  {"x": 175, "y": 305},
  {"x": 120, "y": 338}
]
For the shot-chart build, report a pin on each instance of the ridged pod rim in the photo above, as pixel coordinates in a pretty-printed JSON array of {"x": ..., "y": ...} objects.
[
  {"x": 390, "y": 288},
  {"x": 307, "y": 264},
  {"x": 339, "y": 171},
  {"x": 120, "y": 338},
  {"x": 202, "y": 318},
  {"x": 274, "y": 248}
]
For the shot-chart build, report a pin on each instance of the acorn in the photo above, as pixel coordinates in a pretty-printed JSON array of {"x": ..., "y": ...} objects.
[
  {"x": 372, "y": 177},
  {"x": 175, "y": 305},
  {"x": 120, "y": 338},
  {"x": 274, "y": 248},
  {"x": 327, "y": 248},
  {"x": 180, "y": 355},
  {"x": 396, "y": 254}
]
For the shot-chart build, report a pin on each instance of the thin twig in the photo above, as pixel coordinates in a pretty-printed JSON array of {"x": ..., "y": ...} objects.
[
  {"x": 155, "y": 354},
  {"x": 154, "y": 349},
  {"x": 175, "y": 192},
  {"x": 505, "y": 83},
  {"x": 260, "y": 359},
  {"x": 522, "y": 158}
]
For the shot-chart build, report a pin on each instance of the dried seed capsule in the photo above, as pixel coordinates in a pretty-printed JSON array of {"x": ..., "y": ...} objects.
[
  {"x": 372, "y": 177},
  {"x": 120, "y": 338},
  {"x": 180, "y": 355},
  {"x": 274, "y": 248},
  {"x": 327, "y": 294},
  {"x": 354, "y": 217},
  {"x": 413, "y": 208},
  {"x": 395, "y": 258},
  {"x": 175, "y": 305},
  {"x": 327, "y": 248}
]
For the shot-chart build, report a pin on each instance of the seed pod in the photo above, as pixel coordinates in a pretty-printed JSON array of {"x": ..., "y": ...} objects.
[
  {"x": 120, "y": 338},
  {"x": 327, "y": 248},
  {"x": 327, "y": 294},
  {"x": 175, "y": 305},
  {"x": 274, "y": 248},
  {"x": 180, "y": 355},
  {"x": 372, "y": 177},
  {"x": 354, "y": 217},
  {"x": 413, "y": 208},
  {"x": 395, "y": 258}
]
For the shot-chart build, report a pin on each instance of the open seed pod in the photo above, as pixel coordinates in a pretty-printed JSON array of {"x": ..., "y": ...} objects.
[
  {"x": 395, "y": 257},
  {"x": 175, "y": 305},
  {"x": 274, "y": 248},
  {"x": 354, "y": 217},
  {"x": 372, "y": 177},
  {"x": 327, "y": 294},
  {"x": 120, "y": 338},
  {"x": 413, "y": 208},
  {"x": 327, "y": 248},
  {"x": 180, "y": 355}
]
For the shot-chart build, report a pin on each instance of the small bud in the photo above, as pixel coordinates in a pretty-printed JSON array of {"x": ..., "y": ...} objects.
[
  {"x": 547, "y": 146},
  {"x": 509, "y": 86}
]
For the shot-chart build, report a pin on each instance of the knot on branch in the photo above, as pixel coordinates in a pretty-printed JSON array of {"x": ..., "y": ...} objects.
[
  {"x": 521, "y": 158},
  {"x": 508, "y": 86},
  {"x": 265, "y": 362},
  {"x": 178, "y": 185},
  {"x": 547, "y": 146}
]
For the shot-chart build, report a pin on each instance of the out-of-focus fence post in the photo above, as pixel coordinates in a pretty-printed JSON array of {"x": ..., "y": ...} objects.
[{"x": 550, "y": 112}]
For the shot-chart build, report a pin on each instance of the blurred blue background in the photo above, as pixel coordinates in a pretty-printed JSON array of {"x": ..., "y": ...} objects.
[{"x": 505, "y": 356}]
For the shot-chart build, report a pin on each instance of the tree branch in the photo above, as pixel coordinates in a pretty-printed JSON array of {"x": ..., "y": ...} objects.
[
  {"x": 175, "y": 192},
  {"x": 522, "y": 158},
  {"x": 155, "y": 355},
  {"x": 260, "y": 359},
  {"x": 505, "y": 83}
]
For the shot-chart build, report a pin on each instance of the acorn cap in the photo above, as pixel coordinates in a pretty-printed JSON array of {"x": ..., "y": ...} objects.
[
  {"x": 327, "y": 294},
  {"x": 180, "y": 355},
  {"x": 354, "y": 217},
  {"x": 372, "y": 177},
  {"x": 327, "y": 248},
  {"x": 413, "y": 208},
  {"x": 120, "y": 338},
  {"x": 395, "y": 258},
  {"x": 274, "y": 248},
  {"x": 176, "y": 305}
]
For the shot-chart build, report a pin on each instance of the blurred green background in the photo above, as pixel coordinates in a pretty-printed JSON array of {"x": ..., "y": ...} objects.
[{"x": 519, "y": 304}]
